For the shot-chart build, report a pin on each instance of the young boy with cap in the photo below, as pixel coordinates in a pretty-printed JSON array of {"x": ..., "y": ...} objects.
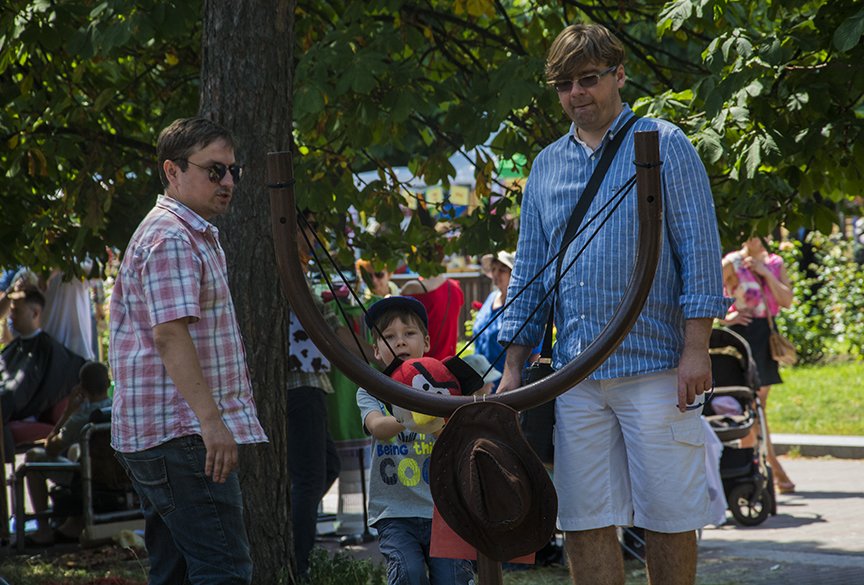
[{"x": 400, "y": 503}]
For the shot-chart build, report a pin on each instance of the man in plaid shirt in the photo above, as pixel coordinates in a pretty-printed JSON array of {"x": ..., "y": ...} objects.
[{"x": 183, "y": 398}]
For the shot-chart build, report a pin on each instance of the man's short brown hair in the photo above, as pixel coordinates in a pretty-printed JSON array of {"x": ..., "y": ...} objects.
[
  {"x": 183, "y": 137},
  {"x": 579, "y": 45}
]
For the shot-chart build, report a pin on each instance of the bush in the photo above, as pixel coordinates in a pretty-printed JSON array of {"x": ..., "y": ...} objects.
[{"x": 827, "y": 316}]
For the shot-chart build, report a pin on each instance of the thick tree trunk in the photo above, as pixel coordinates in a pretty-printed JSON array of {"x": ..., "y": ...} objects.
[{"x": 246, "y": 81}]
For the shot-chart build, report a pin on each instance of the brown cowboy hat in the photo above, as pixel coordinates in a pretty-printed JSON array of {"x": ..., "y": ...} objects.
[{"x": 488, "y": 484}]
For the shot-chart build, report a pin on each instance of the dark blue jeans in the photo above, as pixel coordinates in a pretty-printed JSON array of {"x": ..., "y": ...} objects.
[
  {"x": 404, "y": 542},
  {"x": 194, "y": 527},
  {"x": 313, "y": 464}
]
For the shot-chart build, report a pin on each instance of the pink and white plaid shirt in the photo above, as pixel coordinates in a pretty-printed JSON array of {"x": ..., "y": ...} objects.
[{"x": 174, "y": 267}]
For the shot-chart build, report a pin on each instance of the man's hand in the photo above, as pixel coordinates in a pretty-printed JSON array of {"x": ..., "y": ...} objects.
[
  {"x": 694, "y": 376},
  {"x": 221, "y": 450},
  {"x": 180, "y": 357},
  {"x": 694, "y": 368},
  {"x": 511, "y": 378}
]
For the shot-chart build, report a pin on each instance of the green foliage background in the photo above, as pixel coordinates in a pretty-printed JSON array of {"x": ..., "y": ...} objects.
[
  {"x": 819, "y": 400},
  {"x": 768, "y": 91},
  {"x": 826, "y": 320},
  {"x": 85, "y": 87}
]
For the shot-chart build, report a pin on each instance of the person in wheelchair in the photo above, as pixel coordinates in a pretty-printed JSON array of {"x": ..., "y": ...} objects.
[{"x": 89, "y": 395}]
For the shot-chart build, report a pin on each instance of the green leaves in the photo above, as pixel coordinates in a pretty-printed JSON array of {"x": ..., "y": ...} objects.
[
  {"x": 410, "y": 86},
  {"x": 829, "y": 296},
  {"x": 753, "y": 158},
  {"x": 768, "y": 92},
  {"x": 848, "y": 34},
  {"x": 91, "y": 86},
  {"x": 675, "y": 14},
  {"x": 779, "y": 99},
  {"x": 709, "y": 145}
]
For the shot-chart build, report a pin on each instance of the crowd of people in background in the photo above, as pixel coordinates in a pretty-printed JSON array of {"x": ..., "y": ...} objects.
[
  {"x": 51, "y": 382},
  {"x": 45, "y": 345}
]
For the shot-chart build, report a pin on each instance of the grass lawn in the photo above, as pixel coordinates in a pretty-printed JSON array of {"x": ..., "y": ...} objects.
[
  {"x": 558, "y": 575},
  {"x": 819, "y": 400},
  {"x": 107, "y": 565}
]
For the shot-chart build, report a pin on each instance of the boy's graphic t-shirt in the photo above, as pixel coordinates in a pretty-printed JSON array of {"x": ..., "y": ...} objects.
[{"x": 399, "y": 477}]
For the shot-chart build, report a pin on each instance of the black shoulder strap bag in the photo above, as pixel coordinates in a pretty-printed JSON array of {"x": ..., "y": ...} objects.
[{"x": 537, "y": 423}]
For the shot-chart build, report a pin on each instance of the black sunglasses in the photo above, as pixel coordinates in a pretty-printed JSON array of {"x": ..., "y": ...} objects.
[
  {"x": 584, "y": 82},
  {"x": 216, "y": 171}
]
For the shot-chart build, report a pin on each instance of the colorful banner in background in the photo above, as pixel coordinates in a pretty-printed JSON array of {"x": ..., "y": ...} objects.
[
  {"x": 434, "y": 195},
  {"x": 460, "y": 194}
]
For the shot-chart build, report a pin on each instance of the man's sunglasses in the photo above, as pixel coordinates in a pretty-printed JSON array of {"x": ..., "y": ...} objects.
[
  {"x": 584, "y": 82},
  {"x": 216, "y": 171}
]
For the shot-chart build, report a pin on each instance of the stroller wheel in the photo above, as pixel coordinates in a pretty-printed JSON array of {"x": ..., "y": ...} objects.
[{"x": 745, "y": 511}]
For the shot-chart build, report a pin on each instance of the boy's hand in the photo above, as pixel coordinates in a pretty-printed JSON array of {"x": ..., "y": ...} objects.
[{"x": 419, "y": 423}]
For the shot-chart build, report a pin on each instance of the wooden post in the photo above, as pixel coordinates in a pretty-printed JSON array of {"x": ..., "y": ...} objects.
[{"x": 488, "y": 571}]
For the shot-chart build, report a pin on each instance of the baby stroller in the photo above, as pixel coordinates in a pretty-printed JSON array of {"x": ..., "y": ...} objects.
[{"x": 733, "y": 411}]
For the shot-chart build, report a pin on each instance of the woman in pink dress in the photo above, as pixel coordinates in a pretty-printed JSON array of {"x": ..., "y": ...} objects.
[{"x": 758, "y": 282}]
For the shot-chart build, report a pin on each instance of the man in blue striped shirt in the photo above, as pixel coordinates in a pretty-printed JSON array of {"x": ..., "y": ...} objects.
[{"x": 628, "y": 451}]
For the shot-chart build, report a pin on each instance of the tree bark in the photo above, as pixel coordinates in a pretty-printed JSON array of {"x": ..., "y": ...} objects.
[{"x": 246, "y": 85}]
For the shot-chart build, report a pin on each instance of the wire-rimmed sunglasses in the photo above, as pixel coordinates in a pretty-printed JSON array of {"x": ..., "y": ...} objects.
[
  {"x": 585, "y": 82},
  {"x": 216, "y": 171}
]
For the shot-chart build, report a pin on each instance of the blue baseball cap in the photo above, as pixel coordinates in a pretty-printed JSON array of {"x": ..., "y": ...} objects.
[{"x": 399, "y": 303}]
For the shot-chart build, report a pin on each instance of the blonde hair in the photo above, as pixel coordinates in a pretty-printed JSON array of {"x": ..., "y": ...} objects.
[{"x": 579, "y": 45}]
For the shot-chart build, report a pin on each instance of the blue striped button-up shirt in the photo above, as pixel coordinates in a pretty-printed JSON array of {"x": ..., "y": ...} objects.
[{"x": 688, "y": 282}]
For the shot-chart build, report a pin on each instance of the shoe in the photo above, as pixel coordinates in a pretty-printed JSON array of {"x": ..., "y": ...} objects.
[{"x": 785, "y": 487}]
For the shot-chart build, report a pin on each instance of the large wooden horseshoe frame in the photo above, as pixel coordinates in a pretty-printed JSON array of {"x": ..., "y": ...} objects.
[{"x": 280, "y": 179}]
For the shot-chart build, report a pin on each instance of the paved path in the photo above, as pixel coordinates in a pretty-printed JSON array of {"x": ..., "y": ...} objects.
[{"x": 817, "y": 537}]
